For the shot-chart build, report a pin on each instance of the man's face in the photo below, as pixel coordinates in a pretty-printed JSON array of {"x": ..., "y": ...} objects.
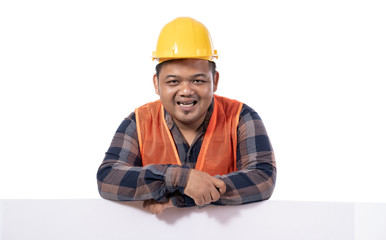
[{"x": 186, "y": 90}]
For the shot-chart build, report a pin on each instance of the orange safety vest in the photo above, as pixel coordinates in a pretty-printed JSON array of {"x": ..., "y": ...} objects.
[{"x": 218, "y": 150}]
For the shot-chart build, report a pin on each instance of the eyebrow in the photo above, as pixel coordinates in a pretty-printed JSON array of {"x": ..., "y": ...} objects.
[
  {"x": 194, "y": 76},
  {"x": 170, "y": 76},
  {"x": 200, "y": 75}
]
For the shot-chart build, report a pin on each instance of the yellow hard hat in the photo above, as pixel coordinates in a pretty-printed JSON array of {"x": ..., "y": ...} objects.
[{"x": 184, "y": 37}]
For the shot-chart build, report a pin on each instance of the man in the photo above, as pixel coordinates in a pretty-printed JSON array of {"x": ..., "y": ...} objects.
[{"x": 191, "y": 147}]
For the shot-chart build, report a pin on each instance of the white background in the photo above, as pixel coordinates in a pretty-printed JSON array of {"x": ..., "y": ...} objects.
[{"x": 71, "y": 70}]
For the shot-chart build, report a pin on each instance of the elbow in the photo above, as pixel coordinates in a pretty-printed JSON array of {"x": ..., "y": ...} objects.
[
  {"x": 271, "y": 182},
  {"x": 101, "y": 193},
  {"x": 101, "y": 188},
  {"x": 105, "y": 189},
  {"x": 267, "y": 194},
  {"x": 101, "y": 175}
]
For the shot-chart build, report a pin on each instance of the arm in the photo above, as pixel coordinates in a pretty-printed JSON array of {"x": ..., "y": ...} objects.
[
  {"x": 255, "y": 177},
  {"x": 201, "y": 188},
  {"x": 121, "y": 175}
]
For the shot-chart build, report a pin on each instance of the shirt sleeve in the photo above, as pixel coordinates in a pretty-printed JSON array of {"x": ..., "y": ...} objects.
[
  {"x": 121, "y": 175},
  {"x": 255, "y": 177}
]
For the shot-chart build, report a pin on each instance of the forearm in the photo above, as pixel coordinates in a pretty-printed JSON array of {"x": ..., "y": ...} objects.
[
  {"x": 242, "y": 187},
  {"x": 119, "y": 181},
  {"x": 248, "y": 185},
  {"x": 121, "y": 176},
  {"x": 255, "y": 177}
]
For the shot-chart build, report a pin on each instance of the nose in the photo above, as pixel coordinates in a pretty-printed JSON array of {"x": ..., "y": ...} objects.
[{"x": 186, "y": 89}]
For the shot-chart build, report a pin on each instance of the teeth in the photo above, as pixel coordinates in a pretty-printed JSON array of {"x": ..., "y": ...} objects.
[
  {"x": 186, "y": 104},
  {"x": 189, "y": 104}
]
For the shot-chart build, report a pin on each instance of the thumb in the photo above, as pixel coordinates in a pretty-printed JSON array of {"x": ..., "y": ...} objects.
[{"x": 220, "y": 185}]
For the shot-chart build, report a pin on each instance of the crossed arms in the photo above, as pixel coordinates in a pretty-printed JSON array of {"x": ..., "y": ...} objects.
[{"x": 121, "y": 175}]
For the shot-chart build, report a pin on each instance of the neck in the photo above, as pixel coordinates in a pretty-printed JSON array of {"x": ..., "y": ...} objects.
[
  {"x": 189, "y": 127},
  {"x": 188, "y": 133}
]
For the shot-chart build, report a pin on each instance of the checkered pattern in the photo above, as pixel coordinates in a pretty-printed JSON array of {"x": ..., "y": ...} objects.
[{"x": 121, "y": 175}]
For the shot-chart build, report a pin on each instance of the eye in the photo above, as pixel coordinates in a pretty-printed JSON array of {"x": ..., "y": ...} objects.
[
  {"x": 172, "y": 82},
  {"x": 198, "y": 81}
]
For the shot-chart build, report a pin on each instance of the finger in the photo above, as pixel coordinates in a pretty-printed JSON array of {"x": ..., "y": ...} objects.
[
  {"x": 146, "y": 204},
  {"x": 161, "y": 209},
  {"x": 220, "y": 185},
  {"x": 151, "y": 208},
  {"x": 207, "y": 198},
  {"x": 199, "y": 201},
  {"x": 157, "y": 209},
  {"x": 215, "y": 195}
]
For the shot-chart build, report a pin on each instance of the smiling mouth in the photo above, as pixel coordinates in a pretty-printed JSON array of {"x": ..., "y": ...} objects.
[{"x": 187, "y": 104}]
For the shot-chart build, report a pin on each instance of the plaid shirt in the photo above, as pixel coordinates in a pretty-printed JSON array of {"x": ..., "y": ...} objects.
[{"x": 121, "y": 175}]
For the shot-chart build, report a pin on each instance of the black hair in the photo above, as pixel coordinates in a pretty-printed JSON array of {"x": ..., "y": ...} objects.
[{"x": 159, "y": 66}]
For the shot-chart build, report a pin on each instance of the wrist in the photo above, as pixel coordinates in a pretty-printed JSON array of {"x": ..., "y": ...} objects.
[{"x": 176, "y": 178}]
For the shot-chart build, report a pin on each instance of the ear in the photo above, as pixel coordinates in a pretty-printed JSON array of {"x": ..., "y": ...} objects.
[
  {"x": 215, "y": 81},
  {"x": 155, "y": 83}
]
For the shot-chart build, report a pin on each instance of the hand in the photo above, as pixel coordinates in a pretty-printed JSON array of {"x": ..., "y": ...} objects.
[
  {"x": 204, "y": 188},
  {"x": 155, "y": 207}
]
